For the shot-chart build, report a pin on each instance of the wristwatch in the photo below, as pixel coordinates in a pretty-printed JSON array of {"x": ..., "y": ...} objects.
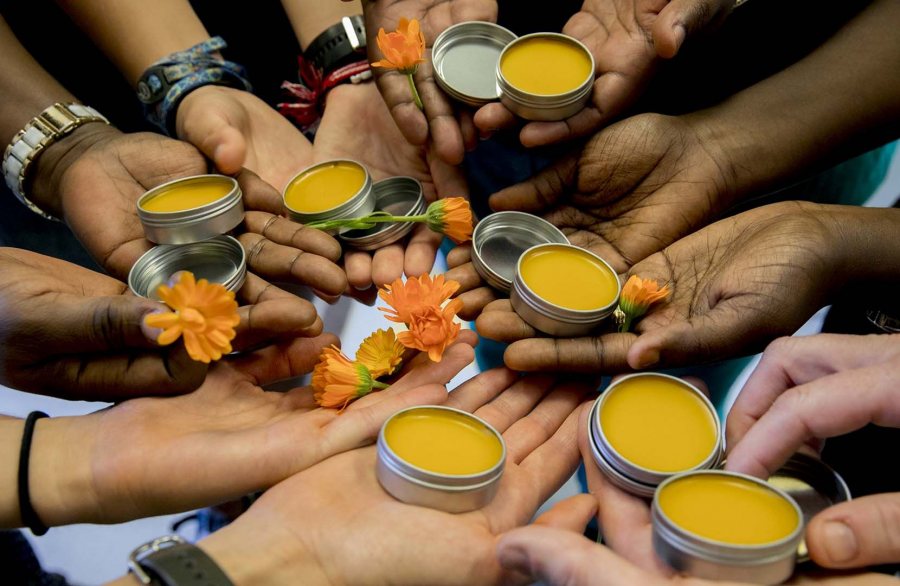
[
  {"x": 171, "y": 561},
  {"x": 340, "y": 44}
]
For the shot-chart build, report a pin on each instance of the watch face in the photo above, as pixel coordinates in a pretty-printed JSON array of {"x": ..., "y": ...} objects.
[{"x": 150, "y": 89}]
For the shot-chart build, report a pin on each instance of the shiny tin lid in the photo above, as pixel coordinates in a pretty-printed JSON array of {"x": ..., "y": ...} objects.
[
  {"x": 218, "y": 260},
  {"x": 500, "y": 239},
  {"x": 465, "y": 58},
  {"x": 398, "y": 196}
]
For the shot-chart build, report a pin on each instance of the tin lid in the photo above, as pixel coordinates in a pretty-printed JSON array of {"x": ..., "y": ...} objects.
[
  {"x": 814, "y": 485},
  {"x": 500, "y": 239},
  {"x": 397, "y": 196},
  {"x": 218, "y": 260},
  {"x": 359, "y": 204},
  {"x": 465, "y": 58}
]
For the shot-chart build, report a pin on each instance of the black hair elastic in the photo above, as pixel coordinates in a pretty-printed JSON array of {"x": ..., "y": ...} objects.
[{"x": 29, "y": 517}]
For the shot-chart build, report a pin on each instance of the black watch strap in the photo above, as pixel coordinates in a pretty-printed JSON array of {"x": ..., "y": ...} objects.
[
  {"x": 339, "y": 44},
  {"x": 170, "y": 561}
]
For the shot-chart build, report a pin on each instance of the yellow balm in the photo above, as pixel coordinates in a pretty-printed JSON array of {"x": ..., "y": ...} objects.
[
  {"x": 658, "y": 423},
  {"x": 728, "y": 509},
  {"x": 324, "y": 187},
  {"x": 443, "y": 441},
  {"x": 546, "y": 65},
  {"x": 187, "y": 195},
  {"x": 569, "y": 277}
]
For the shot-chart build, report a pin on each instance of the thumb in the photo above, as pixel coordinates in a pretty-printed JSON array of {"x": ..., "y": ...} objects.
[
  {"x": 857, "y": 533},
  {"x": 541, "y": 191},
  {"x": 572, "y": 513},
  {"x": 682, "y": 18},
  {"x": 99, "y": 324},
  {"x": 210, "y": 130}
]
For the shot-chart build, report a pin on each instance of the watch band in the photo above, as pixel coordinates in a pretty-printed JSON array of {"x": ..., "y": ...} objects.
[
  {"x": 44, "y": 129},
  {"x": 338, "y": 44},
  {"x": 171, "y": 561}
]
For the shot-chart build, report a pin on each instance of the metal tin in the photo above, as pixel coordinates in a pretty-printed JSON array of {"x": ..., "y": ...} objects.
[
  {"x": 625, "y": 474},
  {"x": 362, "y": 203},
  {"x": 218, "y": 260},
  {"x": 500, "y": 239},
  {"x": 770, "y": 563},
  {"x": 195, "y": 224},
  {"x": 551, "y": 318},
  {"x": 398, "y": 196},
  {"x": 465, "y": 59},
  {"x": 445, "y": 492},
  {"x": 814, "y": 485},
  {"x": 545, "y": 107}
]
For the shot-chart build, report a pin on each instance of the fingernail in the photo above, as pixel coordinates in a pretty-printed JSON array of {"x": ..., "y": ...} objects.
[
  {"x": 647, "y": 359},
  {"x": 679, "y": 33},
  {"x": 840, "y": 542},
  {"x": 486, "y": 134},
  {"x": 512, "y": 557},
  {"x": 151, "y": 334}
]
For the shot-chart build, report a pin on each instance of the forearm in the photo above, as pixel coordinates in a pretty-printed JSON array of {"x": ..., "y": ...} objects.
[
  {"x": 309, "y": 18},
  {"x": 841, "y": 99},
  {"x": 134, "y": 33}
]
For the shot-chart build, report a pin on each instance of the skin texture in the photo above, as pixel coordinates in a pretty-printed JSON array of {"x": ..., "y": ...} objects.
[
  {"x": 628, "y": 39},
  {"x": 97, "y": 468}
]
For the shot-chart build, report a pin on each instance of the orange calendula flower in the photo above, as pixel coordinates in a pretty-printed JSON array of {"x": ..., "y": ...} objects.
[
  {"x": 452, "y": 217},
  {"x": 403, "y": 49},
  {"x": 337, "y": 381},
  {"x": 381, "y": 352},
  {"x": 638, "y": 295},
  {"x": 418, "y": 304},
  {"x": 204, "y": 313}
]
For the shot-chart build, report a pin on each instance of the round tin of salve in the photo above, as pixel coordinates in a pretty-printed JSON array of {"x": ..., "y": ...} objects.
[
  {"x": 330, "y": 190},
  {"x": 500, "y": 239},
  {"x": 564, "y": 290},
  {"x": 726, "y": 526},
  {"x": 441, "y": 458},
  {"x": 545, "y": 76},
  {"x": 465, "y": 58},
  {"x": 218, "y": 260},
  {"x": 397, "y": 196},
  {"x": 647, "y": 427},
  {"x": 191, "y": 209}
]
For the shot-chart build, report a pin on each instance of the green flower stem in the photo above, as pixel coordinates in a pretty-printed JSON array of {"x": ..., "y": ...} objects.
[
  {"x": 415, "y": 92},
  {"x": 365, "y": 221},
  {"x": 625, "y": 324},
  {"x": 379, "y": 385}
]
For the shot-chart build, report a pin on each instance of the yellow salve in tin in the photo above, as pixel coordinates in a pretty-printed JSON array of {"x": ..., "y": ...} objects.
[
  {"x": 188, "y": 195},
  {"x": 324, "y": 187},
  {"x": 443, "y": 441},
  {"x": 569, "y": 277},
  {"x": 728, "y": 509},
  {"x": 545, "y": 65},
  {"x": 658, "y": 423}
]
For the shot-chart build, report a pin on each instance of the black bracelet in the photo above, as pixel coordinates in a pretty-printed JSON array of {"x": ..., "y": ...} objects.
[{"x": 29, "y": 517}]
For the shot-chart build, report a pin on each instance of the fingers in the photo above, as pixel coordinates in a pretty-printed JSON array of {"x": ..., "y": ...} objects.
[
  {"x": 93, "y": 324},
  {"x": 459, "y": 255},
  {"x": 276, "y": 262},
  {"x": 541, "y": 191},
  {"x": 210, "y": 131},
  {"x": 602, "y": 354},
  {"x": 387, "y": 264},
  {"x": 421, "y": 251},
  {"x": 273, "y": 313},
  {"x": 493, "y": 117},
  {"x": 442, "y": 123},
  {"x": 358, "y": 266},
  {"x": 858, "y": 533},
  {"x": 509, "y": 407},
  {"x": 259, "y": 195},
  {"x": 411, "y": 121},
  {"x": 683, "y": 18},
  {"x": 472, "y": 291},
  {"x": 481, "y": 389},
  {"x": 292, "y": 234},
  {"x": 499, "y": 322},
  {"x": 826, "y": 407},
  {"x": 572, "y": 514},
  {"x": 282, "y": 361}
]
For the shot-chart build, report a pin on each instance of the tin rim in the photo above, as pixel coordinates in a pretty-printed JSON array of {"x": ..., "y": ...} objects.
[
  {"x": 575, "y": 94},
  {"x": 187, "y": 215},
  {"x": 334, "y": 211},
  {"x": 560, "y": 313},
  {"x": 437, "y": 479},
  {"x": 497, "y": 35},
  {"x": 387, "y": 190},
  {"x": 697, "y": 543},
  {"x": 623, "y": 465}
]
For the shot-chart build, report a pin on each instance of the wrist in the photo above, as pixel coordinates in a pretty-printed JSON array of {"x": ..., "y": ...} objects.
[{"x": 865, "y": 243}]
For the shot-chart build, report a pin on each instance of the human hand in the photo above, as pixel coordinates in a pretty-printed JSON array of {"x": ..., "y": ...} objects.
[
  {"x": 734, "y": 285},
  {"x": 438, "y": 119},
  {"x": 71, "y": 332},
  {"x": 628, "y": 39},
  {"x": 235, "y": 130},
  {"x": 303, "y": 522},
  {"x": 226, "y": 439},
  {"x": 358, "y": 126}
]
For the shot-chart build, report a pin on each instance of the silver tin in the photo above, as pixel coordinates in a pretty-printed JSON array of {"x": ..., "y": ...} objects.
[
  {"x": 218, "y": 260},
  {"x": 398, "y": 196},
  {"x": 465, "y": 58},
  {"x": 195, "y": 224},
  {"x": 545, "y": 107},
  {"x": 551, "y": 318},
  {"x": 814, "y": 485},
  {"x": 362, "y": 203},
  {"x": 686, "y": 552},
  {"x": 500, "y": 239},
  {"x": 629, "y": 476},
  {"x": 445, "y": 492}
]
